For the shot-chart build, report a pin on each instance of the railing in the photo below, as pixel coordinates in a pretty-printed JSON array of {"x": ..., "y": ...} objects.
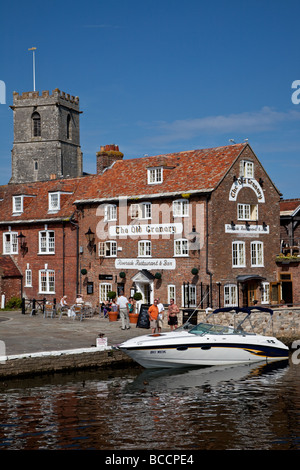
[
  {"x": 33, "y": 306},
  {"x": 290, "y": 246}
]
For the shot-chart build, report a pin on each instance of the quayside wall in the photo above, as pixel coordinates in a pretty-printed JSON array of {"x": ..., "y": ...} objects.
[
  {"x": 61, "y": 361},
  {"x": 284, "y": 324}
]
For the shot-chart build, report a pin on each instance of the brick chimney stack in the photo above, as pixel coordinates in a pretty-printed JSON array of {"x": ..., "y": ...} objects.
[{"x": 107, "y": 156}]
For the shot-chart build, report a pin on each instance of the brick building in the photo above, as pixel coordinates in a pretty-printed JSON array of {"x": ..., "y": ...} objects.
[
  {"x": 201, "y": 226},
  {"x": 288, "y": 260}
]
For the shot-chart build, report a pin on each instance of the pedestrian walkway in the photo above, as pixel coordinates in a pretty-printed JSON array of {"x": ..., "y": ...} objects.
[{"x": 24, "y": 334}]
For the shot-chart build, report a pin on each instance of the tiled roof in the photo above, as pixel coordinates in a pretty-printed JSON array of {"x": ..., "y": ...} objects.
[
  {"x": 36, "y": 203},
  {"x": 289, "y": 206},
  {"x": 183, "y": 172}
]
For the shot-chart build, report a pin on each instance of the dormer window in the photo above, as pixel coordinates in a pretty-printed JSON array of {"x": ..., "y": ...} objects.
[
  {"x": 155, "y": 175},
  {"x": 17, "y": 204},
  {"x": 54, "y": 202}
]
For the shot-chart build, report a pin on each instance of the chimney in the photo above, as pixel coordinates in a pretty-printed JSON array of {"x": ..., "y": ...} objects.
[{"x": 107, "y": 156}]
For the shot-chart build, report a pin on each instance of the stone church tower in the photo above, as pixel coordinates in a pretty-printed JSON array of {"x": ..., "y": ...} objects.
[{"x": 46, "y": 137}]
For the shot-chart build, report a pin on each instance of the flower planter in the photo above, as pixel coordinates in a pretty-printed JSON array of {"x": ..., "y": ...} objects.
[
  {"x": 133, "y": 317},
  {"x": 113, "y": 316}
]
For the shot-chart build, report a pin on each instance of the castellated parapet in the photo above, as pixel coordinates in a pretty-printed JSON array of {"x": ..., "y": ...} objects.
[{"x": 46, "y": 136}]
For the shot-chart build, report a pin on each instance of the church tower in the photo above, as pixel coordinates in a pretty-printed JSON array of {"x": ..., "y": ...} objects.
[{"x": 46, "y": 137}]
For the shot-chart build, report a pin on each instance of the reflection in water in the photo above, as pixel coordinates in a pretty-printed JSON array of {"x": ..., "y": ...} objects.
[{"x": 237, "y": 407}]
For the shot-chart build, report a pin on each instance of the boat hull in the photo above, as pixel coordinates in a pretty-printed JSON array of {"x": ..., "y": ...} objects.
[{"x": 157, "y": 351}]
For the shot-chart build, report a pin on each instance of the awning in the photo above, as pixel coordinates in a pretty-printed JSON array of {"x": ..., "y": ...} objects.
[
  {"x": 250, "y": 277},
  {"x": 143, "y": 276}
]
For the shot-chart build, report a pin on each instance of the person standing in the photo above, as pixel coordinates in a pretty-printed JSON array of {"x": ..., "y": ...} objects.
[
  {"x": 153, "y": 315},
  {"x": 173, "y": 310},
  {"x": 160, "y": 318},
  {"x": 122, "y": 303}
]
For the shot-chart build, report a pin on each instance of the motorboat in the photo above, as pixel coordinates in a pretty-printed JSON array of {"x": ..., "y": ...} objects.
[{"x": 206, "y": 344}]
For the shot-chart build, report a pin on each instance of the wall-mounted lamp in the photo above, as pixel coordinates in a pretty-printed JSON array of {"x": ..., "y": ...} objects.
[
  {"x": 23, "y": 244},
  {"x": 90, "y": 236},
  {"x": 232, "y": 225}
]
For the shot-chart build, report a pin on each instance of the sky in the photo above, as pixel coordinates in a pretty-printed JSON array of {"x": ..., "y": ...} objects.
[{"x": 162, "y": 76}]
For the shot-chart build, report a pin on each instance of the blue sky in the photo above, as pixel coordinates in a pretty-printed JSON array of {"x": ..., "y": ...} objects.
[{"x": 160, "y": 76}]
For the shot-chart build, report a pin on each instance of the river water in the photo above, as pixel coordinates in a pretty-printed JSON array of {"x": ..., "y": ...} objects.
[{"x": 238, "y": 407}]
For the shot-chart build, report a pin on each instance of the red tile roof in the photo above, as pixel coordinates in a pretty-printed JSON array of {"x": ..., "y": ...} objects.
[
  {"x": 289, "y": 206},
  {"x": 183, "y": 172}
]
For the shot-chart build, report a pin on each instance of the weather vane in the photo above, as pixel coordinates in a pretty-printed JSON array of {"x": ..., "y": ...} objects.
[{"x": 33, "y": 49}]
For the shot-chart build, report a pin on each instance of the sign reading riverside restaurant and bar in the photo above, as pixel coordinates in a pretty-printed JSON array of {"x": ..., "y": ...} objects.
[
  {"x": 143, "y": 263},
  {"x": 145, "y": 229}
]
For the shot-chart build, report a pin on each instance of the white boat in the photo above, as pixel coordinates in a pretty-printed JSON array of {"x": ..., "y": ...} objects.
[{"x": 206, "y": 344}]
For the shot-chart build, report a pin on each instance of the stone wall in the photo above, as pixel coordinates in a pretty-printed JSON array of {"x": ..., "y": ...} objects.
[
  {"x": 284, "y": 323},
  {"x": 60, "y": 361}
]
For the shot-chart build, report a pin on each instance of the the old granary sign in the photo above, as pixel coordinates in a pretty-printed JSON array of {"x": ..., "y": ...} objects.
[
  {"x": 143, "y": 263},
  {"x": 241, "y": 183},
  {"x": 145, "y": 229}
]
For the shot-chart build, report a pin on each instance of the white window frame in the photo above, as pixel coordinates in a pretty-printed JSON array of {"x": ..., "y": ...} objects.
[
  {"x": 28, "y": 277},
  {"x": 104, "y": 288},
  {"x": 181, "y": 247},
  {"x": 142, "y": 210},
  {"x": 238, "y": 254},
  {"x": 265, "y": 293},
  {"x": 192, "y": 295},
  {"x": 247, "y": 212},
  {"x": 144, "y": 249},
  {"x": 230, "y": 295},
  {"x": 110, "y": 212},
  {"x": 247, "y": 169},
  {"x": 10, "y": 243},
  {"x": 155, "y": 175},
  {"x": 257, "y": 254},
  {"x": 46, "y": 242},
  {"x": 54, "y": 201},
  {"x": 18, "y": 204},
  {"x": 181, "y": 208},
  {"x": 47, "y": 281},
  {"x": 107, "y": 249},
  {"x": 171, "y": 293}
]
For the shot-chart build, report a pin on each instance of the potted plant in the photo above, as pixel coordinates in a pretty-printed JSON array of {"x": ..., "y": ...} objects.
[
  {"x": 137, "y": 296},
  {"x": 133, "y": 317},
  {"x": 113, "y": 316}
]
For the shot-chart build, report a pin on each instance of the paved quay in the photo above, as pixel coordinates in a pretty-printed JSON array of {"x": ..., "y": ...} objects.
[{"x": 23, "y": 334}]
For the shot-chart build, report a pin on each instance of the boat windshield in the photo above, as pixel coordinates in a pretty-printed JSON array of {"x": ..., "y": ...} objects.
[{"x": 205, "y": 328}]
